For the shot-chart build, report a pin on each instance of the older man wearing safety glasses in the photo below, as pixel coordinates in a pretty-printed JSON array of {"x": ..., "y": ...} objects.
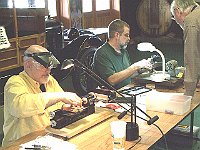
[
  {"x": 31, "y": 95},
  {"x": 187, "y": 15}
]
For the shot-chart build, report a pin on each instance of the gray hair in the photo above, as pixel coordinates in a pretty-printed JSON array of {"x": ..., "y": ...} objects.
[
  {"x": 116, "y": 25},
  {"x": 182, "y": 5}
]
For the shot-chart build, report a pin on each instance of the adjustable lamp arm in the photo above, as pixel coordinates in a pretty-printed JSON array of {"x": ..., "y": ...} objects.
[
  {"x": 69, "y": 63},
  {"x": 163, "y": 60}
]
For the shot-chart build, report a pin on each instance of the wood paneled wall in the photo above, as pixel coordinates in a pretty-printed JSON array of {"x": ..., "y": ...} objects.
[{"x": 99, "y": 19}]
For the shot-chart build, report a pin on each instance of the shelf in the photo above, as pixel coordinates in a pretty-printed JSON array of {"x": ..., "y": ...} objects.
[
  {"x": 24, "y": 27},
  {"x": 8, "y": 63}
]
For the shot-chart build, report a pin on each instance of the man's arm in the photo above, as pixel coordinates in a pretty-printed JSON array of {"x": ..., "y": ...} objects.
[
  {"x": 25, "y": 103},
  {"x": 124, "y": 74},
  {"x": 190, "y": 59}
]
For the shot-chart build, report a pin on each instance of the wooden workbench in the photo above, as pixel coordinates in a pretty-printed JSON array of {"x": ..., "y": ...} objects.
[{"x": 98, "y": 137}]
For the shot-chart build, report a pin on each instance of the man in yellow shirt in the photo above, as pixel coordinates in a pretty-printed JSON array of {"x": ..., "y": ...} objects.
[{"x": 26, "y": 106}]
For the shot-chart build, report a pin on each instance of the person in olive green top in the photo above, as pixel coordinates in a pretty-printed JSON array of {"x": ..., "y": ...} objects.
[
  {"x": 26, "y": 106},
  {"x": 111, "y": 60}
]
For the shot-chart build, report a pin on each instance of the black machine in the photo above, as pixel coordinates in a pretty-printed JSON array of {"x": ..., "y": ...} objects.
[
  {"x": 72, "y": 43},
  {"x": 61, "y": 118}
]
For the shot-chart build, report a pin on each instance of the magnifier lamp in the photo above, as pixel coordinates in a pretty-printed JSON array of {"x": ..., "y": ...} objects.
[{"x": 159, "y": 77}]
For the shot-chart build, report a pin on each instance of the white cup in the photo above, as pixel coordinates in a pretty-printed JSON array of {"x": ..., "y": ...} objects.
[{"x": 118, "y": 130}]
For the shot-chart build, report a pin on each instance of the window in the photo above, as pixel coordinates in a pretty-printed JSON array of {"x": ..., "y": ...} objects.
[
  {"x": 102, "y": 5},
  {"x": 116, "y": 5},
  {"x": 27, "y": 4},
  {"x": 87, "y": 5},
  {"x": 52, "y": 8},
  {"x": 35, "y": 4}
]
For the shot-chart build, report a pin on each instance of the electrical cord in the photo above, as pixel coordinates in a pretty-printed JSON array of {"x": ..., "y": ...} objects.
[
  {"x": 163, "y": 135},
  {"x": 135, "y": 143},
  {"x": 165, "y": 140}
]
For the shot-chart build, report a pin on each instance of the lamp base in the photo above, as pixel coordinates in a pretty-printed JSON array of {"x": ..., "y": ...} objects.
[{"x": 132, "y": 131}]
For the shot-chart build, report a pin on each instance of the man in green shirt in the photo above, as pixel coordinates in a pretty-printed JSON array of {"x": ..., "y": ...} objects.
[
  {"x": 111, "y": 60},
  {"x": 26, "y": 105}
]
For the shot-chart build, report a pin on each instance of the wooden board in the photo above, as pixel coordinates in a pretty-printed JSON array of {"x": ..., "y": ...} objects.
[{"x": 79, "y": 126}]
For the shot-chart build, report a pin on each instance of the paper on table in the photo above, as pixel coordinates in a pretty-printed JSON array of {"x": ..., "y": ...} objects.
[{"x": 48, "y": 142}]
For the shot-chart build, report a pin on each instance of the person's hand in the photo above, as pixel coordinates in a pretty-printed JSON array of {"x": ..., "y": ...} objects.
[
  {"x": 144, "y": 63},
  {"x": 67, "y": 107},
  {"x": 72, "y": 98},
  {"x": 71, "y": 108}
]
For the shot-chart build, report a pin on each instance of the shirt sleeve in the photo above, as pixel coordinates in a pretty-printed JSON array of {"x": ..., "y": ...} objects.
[
  {"x": 24, "y": 100},
  {"x": 190, "y": 54}
]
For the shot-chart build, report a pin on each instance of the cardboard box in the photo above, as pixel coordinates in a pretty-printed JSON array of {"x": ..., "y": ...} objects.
[{"x": 172, "y": 103}]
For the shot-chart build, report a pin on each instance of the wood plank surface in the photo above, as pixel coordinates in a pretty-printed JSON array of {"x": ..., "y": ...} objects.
[{"x": 98, "y": 136}]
